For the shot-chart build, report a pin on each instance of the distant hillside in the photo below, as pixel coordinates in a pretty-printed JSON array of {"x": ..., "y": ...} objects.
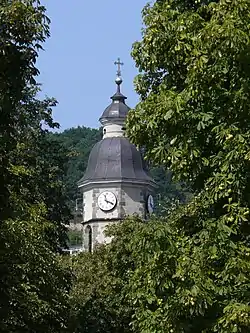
[{"x": 79, "y": 142}]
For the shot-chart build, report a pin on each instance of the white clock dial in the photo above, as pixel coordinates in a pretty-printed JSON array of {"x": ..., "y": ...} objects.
[
  {"x": 150, "y": 204},
  {"x": 107, "y": 200}
]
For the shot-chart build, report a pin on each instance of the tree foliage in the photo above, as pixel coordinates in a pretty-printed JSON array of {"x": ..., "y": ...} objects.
[
  {"x": 39, "y": 165},
  {"x": 34, "y": 284},
  {"x": 23, "y": 28},
  {"x": 155, "y": 278},
  {"x": 194, "y": 118},
  {"x": 96, "y": 301},
  {"x": 169, "y": 193}
]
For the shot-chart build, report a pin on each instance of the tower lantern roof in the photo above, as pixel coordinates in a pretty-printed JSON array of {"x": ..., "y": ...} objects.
[{"x": 118, "y": 108}]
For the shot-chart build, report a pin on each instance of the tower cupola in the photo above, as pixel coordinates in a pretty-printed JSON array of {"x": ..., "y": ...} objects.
[{"x": 113, "y": 117}]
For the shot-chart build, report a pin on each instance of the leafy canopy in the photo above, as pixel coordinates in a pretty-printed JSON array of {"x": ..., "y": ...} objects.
[
  {"x": 34, "y": 284},
  {"x": 194, "y": 118}
]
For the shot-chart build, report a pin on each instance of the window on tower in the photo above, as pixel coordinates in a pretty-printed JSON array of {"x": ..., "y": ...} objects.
[{"x": 88, "y": 232}]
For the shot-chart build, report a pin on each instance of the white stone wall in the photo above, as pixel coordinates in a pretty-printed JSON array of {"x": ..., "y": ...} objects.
[
  {"x": 91, "y": 210},
  {"x": 87, "y": 205},
  {"x": 98, "y": 234},
  {"x": 134, "y": 199},
  {"x": 131, "y": 199},
  {"x": 112, "y": 131}
]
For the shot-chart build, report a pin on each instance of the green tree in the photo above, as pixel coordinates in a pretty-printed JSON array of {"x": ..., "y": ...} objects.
[
  {"x": 169, "y": 193},
  {"x": 43, "y": 160},
  {"x": 74, "y": 237},
  {"x": 34, "y": 284},
  {"x": 97, "y": 301},
  {"x": 194, "y": 118},
  {"x": 153, "y": 277},
  {"x": 23, "y": 28}
]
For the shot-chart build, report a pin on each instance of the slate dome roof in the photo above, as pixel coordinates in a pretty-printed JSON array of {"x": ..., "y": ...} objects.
[{"x": 115, "y": 159}]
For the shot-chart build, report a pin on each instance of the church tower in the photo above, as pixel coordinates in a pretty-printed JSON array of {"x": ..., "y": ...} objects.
[{"x": 116, "y": 183}]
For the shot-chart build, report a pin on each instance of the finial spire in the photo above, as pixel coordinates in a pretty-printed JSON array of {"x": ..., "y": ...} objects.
[
  {"x": 119, "y": 64},
  {"x": 118, "y": 79}
]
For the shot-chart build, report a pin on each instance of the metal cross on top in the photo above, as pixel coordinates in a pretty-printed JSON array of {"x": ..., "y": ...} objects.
[{"x": 119, "y": 64}]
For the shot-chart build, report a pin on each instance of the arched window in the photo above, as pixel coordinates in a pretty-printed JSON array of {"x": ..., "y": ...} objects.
[
  {"x": 88, "y": 232},
  {"x": 104, "y": 131}
]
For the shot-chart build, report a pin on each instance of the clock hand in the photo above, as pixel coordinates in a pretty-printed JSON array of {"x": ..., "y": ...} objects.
[
  {"x": 109, "y": 202},
  {"x": 105, "y": 198}
]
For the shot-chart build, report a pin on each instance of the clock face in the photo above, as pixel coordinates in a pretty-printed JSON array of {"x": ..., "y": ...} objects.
[
  {"x": 150, "y": 204},
  {"x": 107, "y": 200}
]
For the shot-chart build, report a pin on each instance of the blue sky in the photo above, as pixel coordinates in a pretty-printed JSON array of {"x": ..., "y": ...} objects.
[{"x": 77, "y": 66}]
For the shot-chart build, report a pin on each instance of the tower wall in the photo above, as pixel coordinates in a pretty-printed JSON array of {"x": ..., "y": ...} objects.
[
  {"x": 113, "y": 130},
  {"x": 98, "y": 234},
  {"x": 131, "y": 200}
]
